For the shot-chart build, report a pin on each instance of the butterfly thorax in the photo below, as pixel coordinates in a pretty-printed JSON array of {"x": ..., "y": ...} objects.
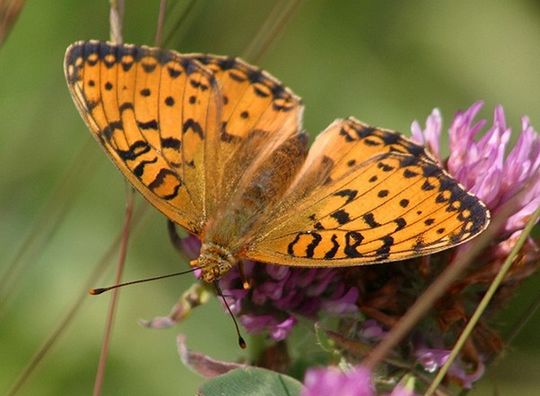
[{"x": 214, "y": 261}]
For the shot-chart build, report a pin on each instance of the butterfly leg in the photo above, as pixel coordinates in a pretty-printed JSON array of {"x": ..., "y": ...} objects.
[
  {"x": 246, "y": 283},
  {"x": 174, "y": 237}
]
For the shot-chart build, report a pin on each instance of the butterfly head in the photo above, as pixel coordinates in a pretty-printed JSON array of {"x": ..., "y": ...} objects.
[{"x": 214, "y": 261}]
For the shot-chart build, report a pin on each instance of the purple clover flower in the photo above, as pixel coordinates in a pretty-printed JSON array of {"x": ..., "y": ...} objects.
[
  {"x": 479, "y": 162},
  {"x": 354, "y": 382},
  {"x": 279, "y": 293},
  {"x": 333, "y": 381}
]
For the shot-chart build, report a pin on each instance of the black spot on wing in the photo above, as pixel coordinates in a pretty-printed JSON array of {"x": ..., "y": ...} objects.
[
  {"x": 136, "y": 149},
  {"x": 347, "y": 193},
  {"x": 236, "y": 77},
  {"x": 341, "y": 216},
  {"x": 139, "y": 169},
  {"x": 335, "y": 246},
  {"x": 369, "y": 219},
  {"x": 401, "y": 223},
  {"x": 427, "y": 186},
  {"x": 152, "y": 124},
  {"x": 430, "y": 169},
  {"x": 390, "y": 138},
  {"x": 160, "y": 178},
  {"x": 255, "y": 76},
  {"x": 173, "y": 72},
  {"x": 318, "y": 226},
  {"x": 408, "y": 161},
  {"x": 194, "y": 126},
  {"x": 189, "y": 65},
  {"x": 198, "y": 85},
  {"x": 353, "y": 239},
  {"x": 385, "y": 167},
  {"x": 384, "y": 251},
  {"x": 419, "y": 245},
  {"x": 479, "y": 213},
  {"x": 149, "y": 67},
  {"x": 174, "y": 194},
  {"x": 371, "y": 142},
  {"x": 362, "y": 131},
  {"x": 227, "y": 63},
  {"x": 126, "y": 106},
  {"x": 171, "y": 142},
  {"x": 310, "y": 249},
  {"x": 290, "y": 246},
  {"x": 404, "y": 203},
  {"x": 348, "y": 138},
  {"x": 109, "y": 129},
  {"x": 91, "y": 104},
  {"x": 407, "y": 173}
]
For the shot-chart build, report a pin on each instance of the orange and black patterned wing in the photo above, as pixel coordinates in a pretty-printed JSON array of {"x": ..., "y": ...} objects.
[
  {"x": 154, "y": 112},
  {"x": 258, "y": 115},
  {"x": 367, "y": 195}
]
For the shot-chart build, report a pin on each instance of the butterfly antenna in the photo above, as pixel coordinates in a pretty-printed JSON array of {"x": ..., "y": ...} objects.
[
  {"x": 241, "y": 341},
  {"x": 104, "y": 289}
]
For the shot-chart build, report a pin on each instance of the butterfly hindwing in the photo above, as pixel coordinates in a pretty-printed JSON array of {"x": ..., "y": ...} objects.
[
  {"x": 392, "y": 203},
  {"x": 258, "y": 114}
]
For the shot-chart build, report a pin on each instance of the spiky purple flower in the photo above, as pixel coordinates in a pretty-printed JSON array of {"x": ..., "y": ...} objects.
[
  {"x": 333, "y": 381},
  {"x": 354, "y": 382},
  {"x": 479, "y": 162}
]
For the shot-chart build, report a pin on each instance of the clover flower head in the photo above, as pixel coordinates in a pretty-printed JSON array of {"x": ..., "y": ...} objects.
[
  {"x": 333, "y": 381},
  {"x": 478, "y": 161}
]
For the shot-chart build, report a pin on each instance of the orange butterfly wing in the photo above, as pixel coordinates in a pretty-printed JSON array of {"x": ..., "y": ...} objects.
[
  {"x": 152, "y": 110},
  {"x": 196, "y": 133},
  {"x": 377, "y": 197},
  {"x": 258, "y": 115},
  {"x": 184, "y": 129}
]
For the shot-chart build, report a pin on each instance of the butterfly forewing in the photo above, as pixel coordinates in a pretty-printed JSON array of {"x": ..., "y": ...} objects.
[
  {"x": 381, "y": 201},
  {"x": 127, "y": 96}
]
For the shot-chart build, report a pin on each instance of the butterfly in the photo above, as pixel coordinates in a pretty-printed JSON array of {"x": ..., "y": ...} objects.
[{"x": 217, "y": 146}]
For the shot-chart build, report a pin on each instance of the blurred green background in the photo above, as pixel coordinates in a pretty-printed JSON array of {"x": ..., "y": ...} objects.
[{"x": 62, "y": 201}]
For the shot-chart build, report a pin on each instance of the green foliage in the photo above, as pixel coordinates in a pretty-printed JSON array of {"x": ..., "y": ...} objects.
[{"x": 251, "y": 381}]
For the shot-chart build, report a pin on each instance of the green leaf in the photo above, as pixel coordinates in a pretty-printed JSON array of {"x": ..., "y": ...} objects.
[{"x": 251, "y": 381}]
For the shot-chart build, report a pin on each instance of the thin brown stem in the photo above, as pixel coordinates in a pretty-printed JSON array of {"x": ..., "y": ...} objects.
[
  {"x": 185, "y": 13},
  {"x": 273, "y": 25},
  {"x": 100, "y": 375},
  {"x": 116, "y": 20},
  {"x": 9, "y": 12},
  {"x": 158, "y": 40},
  {"x": 65, "y": 322}
]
